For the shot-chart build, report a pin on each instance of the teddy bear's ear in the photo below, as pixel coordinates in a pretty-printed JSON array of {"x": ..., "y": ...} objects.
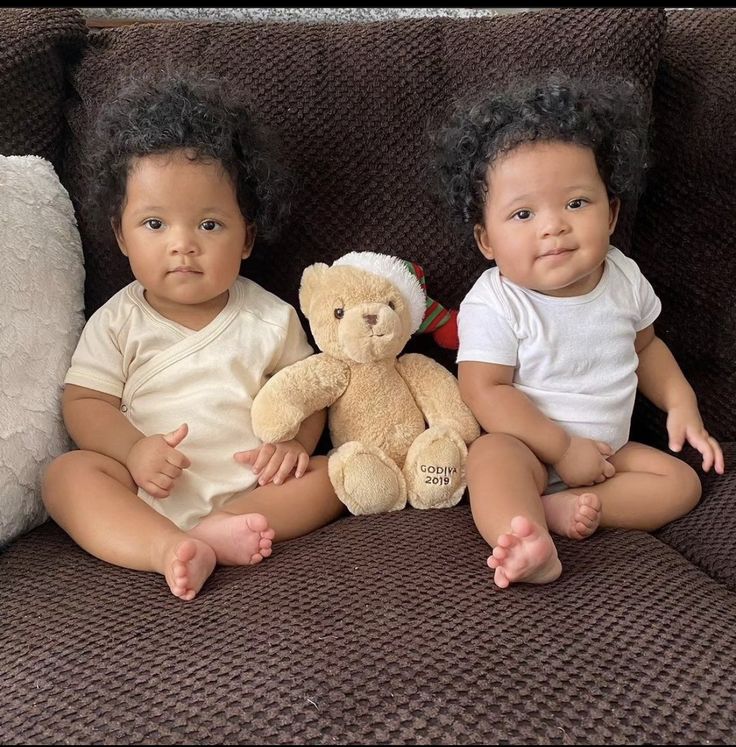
[{"x": 311, "y": 280}]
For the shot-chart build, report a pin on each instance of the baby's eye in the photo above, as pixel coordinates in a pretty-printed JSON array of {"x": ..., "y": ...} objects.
[
  {"x": 522, "y": 214},
  {"x": 153, "y": 223},
  {"x": 577, "y": 203},
  {"x": 209, "y": 225}
]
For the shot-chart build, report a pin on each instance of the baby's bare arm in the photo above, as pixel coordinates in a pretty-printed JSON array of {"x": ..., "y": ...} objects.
[
  {"x": 660, "y": 378},
  {"x": 662, "y": 382},
  {"x": 499, "y": 407},
  {"x": 311, "y": 430},
  {"x": 94, "y": 422}
]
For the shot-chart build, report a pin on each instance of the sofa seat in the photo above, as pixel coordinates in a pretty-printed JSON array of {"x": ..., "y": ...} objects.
[{"x": 378, "y": 630}]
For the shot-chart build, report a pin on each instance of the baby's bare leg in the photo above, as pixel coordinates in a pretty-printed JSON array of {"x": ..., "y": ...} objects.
[
  {"x": 94, "y": 499},
  {"x": 505, "y": 480},
  {"x": 650, "y": 489},
  {"x": 297, "y": 506}
]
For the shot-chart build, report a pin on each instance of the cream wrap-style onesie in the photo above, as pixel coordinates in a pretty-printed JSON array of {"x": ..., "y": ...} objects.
[{"x": 166, "y": 374}]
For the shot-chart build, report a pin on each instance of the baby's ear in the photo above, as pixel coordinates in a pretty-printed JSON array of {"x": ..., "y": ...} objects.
[
  {"x": 311, "y": 279},
  {"x": 613, "y": 213},
  {"x": 481, "y": 239},
  {"x": 115, "y": 224}
]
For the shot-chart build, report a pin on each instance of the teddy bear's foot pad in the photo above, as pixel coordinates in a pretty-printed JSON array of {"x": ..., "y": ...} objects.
[
  {"x": 366, "y": 480},
  {"x": 434, "y": 469}
]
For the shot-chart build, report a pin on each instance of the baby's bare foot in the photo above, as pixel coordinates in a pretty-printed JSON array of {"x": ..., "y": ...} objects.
[
  {"x": 191, "y": 565},
  {"x": 571, "y": 515},
  {"x": 526, "y": 553},
  {"x": 237, "y": 539}
]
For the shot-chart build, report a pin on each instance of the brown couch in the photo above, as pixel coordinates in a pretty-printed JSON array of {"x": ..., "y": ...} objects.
[{"x": 388, "y": 629}]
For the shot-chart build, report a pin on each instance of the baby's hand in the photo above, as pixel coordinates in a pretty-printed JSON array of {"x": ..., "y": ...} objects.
[
  {"x": 155, "y": 463},
  {"x": 685, "y": 424},
  {"x": 275, "y": 462},
  {"x": 585, "y": 462}
]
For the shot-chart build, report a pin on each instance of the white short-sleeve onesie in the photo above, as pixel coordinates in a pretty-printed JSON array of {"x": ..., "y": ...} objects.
[{"x": 573, "y": 357}]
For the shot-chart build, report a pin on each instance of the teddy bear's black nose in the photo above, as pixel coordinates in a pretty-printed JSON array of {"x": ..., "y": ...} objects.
[{"x": 371, "y": 318}]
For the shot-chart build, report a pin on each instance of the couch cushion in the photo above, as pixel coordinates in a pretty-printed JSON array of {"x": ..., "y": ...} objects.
[
  {"x": 351, "y": 103},
  {"x": 41, "y": 316},
  {"x": 374, "y": 630},
  {"x": 686, "y": 221},
  {"x": 706, "y": 535},
  {"x": 35, "y": 44}
]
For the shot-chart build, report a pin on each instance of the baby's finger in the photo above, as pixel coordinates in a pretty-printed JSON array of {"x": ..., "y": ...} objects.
[
  {"x": 604, "y": 448},
  {"x": 608, "y": 469},
  {"x": 263, "y": 458},
  {"x": 178, "y": 459},
  {"x": 152, "y": 489},
  {"x": 247, "y": 457},
  {"x": 163, "y": 481},
  {"x": 708, "y": 458},
  {"x": 270, "y": 469},
  {"x": 720, "y": 463},
  {"x": 286, "y": 468},
  {"x": 170, "y": 470},
  {"x": 703, "y": 445},
  {"x": 677, "y": 437},
  {"x": 301, "y": 464}
]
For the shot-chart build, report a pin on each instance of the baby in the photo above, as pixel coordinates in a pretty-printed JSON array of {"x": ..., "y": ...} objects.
[
  {"x": 555, "y": 339},
  {"x": 168, "y": 476}
]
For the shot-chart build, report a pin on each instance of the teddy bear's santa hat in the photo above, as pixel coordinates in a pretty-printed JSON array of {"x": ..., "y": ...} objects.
[{"x": 398, "y": 273}]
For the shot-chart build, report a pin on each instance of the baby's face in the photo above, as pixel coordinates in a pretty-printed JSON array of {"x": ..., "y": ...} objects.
[
  {"x": 547, "y": 219},
  {"x": 183, "y": 232}
]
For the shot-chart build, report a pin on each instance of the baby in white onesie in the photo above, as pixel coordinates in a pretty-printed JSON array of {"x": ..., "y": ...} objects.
[
  {"x": 556, "y": 338},
  {"x": 168, "y": 475}
]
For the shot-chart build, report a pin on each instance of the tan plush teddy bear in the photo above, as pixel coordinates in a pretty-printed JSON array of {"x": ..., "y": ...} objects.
[{"x": 398, "y": 425}]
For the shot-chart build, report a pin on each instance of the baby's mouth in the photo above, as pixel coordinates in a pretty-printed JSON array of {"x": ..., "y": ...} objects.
[{"x": 186, "y": 269}]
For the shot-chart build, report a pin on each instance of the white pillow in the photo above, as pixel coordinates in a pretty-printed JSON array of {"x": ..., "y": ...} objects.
[{"x": 41, "y": 317}]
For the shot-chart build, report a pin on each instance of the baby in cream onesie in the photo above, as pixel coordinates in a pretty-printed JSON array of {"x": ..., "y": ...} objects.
[
  {"x": 164, "y": 372},
  {"x": 168, "y": 475}
]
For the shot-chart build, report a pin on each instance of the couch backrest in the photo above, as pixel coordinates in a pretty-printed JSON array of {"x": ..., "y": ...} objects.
[
  {"x": 686, "y": 222},
  {"x": 351, "y": 103},
  {"x": 36, "y": 47}
]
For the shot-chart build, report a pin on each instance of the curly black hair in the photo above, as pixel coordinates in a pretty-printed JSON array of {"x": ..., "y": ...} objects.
[
  {"x": 156, "y": 112},
  {"x": 609, "y": 115}
]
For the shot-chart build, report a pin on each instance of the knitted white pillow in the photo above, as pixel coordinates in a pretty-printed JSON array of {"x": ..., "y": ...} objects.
[{"x": 41, "y": 318}]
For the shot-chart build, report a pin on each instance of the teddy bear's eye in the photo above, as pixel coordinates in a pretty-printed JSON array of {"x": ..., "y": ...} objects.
[
  {"x": 339, "y": 313},
  {"x": 391, "y": 305}
]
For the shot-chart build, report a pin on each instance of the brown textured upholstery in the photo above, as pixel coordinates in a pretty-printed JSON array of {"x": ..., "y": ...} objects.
[
  {"x": 387, "y": 629},
  {"x": 684, "y": 238},
  {"x": 707, "y": 535},
  {"x": 34, "y": 51},
  {"x": 684, "y": 242},
  {"x": 380, "y": 630}
]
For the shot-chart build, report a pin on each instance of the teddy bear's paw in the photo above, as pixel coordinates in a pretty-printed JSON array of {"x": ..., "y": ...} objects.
[
  {"x": 435, "y": 469},
  {"x": 366, "y": 480}
]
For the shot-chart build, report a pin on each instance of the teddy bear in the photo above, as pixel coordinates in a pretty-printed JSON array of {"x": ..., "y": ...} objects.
[{"x": 398, "y": 425}]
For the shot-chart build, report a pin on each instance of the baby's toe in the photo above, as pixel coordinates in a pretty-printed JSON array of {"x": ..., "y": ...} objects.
[
  {"x": 587, "y": 514},
  {"x": 500, "y": 579},
  {"x": 590, "y": 500}
]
